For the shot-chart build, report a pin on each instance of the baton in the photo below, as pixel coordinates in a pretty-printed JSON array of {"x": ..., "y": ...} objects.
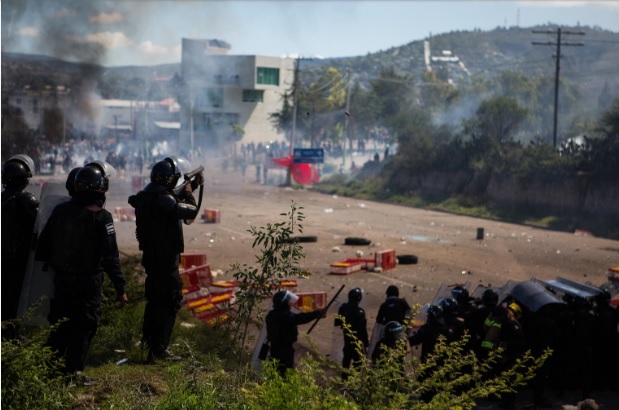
[{"x": 327, "y": 308}]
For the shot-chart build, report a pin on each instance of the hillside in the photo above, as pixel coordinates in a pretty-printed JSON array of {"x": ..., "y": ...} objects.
[
  {"x": 487, "y": 53},
  {"x": 591, "y": 66}
]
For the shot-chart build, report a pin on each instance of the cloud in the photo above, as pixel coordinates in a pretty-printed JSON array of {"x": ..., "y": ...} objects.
[
  {"x": 106, "y": 39},
  {"x": 106, "y": 18},
  {"x": 64, "y": 12},
  {"x": 28, "y": 32},
  {"x": 149, "y": 48}
]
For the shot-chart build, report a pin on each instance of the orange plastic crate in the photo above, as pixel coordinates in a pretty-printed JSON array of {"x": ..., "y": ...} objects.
[{"x": 310, "y": 301}]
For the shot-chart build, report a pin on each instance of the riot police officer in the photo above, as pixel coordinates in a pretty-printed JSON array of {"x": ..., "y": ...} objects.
[
  {"x": 19, "y": 211},
  {"x": 394, "y": 308},
  {"x": 428, "y": 334},
  {"x": 159, "y": 214},
  {"x": 79, "y": 242},
  {"x": 392, "y": 339},
  {"x": 353, "y": 316},
  {"x": 282, "y": 329}
]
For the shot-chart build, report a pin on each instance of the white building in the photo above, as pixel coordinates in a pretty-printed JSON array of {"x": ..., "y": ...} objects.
[{"x": 226, "y": 92}]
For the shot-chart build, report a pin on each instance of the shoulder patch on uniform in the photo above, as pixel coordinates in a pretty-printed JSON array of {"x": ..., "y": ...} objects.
[{"x": 110, "y": 228}]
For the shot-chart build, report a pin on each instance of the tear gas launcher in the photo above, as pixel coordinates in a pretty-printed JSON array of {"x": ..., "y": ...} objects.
[{"x": 190, "y": 179}]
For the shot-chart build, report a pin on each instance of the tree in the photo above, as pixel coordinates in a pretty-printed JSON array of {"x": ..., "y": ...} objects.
[
  {"x": 393, "y": 93},
  {"x": 497, "y": 119},
  {"x": 435, "y": 93}
]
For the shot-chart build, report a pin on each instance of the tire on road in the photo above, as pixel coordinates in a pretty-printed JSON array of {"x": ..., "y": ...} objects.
[
  {"x": 407, "y": 259},
  {"x": 302, "y": 239},
  {"x": 357, "y": 241}
]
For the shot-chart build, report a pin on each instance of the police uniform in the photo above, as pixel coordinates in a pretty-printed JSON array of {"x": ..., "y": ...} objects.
[
  {"x": 159, "y": 216},
  {"x": 79, "y": 242},
  {"x": 282, "y": 332},
  {"x": 354, "y": 316}
]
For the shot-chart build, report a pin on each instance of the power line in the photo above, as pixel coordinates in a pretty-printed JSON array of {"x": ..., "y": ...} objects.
[{"x": 558, "y": 43}]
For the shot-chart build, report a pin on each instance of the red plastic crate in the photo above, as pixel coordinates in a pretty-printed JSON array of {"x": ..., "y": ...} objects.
[
  {"x": 198, "y": 275},
  {"x": 386, "y": 259},
  {"x": 211, "y": 215},
  {"x": 189, "y": 260}
]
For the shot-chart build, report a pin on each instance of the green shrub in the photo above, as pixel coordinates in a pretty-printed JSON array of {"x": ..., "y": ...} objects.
[{"x": 31, "y": 375}]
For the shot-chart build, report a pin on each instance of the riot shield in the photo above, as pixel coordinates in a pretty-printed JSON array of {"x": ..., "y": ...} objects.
[
  {"x": 416, "y": 323},
  {"x": 533, "y": 295},
  {"x": 564, "y": 286},
  {"x": 337, "y": 339},
  {"x": 377, "y": 333},
  {"x": 38, "y": 286},
  {"x": 445, "y": 291},
  {"x": 256, "y": 360}
]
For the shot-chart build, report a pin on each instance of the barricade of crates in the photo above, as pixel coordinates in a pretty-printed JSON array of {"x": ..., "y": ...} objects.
[
  {"x": 210, "y": 300},
  {"x": 385, "y": 260}
]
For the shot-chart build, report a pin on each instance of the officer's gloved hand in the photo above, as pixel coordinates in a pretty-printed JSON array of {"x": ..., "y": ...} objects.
[
  {"x": 197, "y": 181},
  {"x": 121, "y": 300}
]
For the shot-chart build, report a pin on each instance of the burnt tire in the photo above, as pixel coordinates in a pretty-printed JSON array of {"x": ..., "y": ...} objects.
[
  {"x": 302, "y": 239},
  {"x": 357, "y": 241},
  {"x": 407, "y": 259}
]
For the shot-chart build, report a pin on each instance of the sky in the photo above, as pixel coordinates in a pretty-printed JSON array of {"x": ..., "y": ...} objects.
[{"x": 149, "y": 32}]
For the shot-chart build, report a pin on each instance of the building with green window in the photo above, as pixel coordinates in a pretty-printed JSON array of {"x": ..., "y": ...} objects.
[{"x": 227, "y": 93}]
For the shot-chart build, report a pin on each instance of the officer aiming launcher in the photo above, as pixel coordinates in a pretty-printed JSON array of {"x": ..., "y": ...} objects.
[{"x": 190, "y": 178}]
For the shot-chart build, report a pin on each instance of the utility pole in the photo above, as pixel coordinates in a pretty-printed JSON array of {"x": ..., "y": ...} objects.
[
  {"x": 557, "y": 69},
  {"x": 295, "y": 99},
  {"x": 295, "y": 88},
  {"x": 347, "y": 127}
]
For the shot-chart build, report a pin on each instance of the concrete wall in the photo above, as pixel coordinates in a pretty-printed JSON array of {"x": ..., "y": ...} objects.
[{"x": 575, "y": 194}]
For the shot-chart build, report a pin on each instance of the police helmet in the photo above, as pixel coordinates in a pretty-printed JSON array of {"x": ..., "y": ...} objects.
[
  {"x": 449, "y": 305},
  {"x": 92, "y": 178},
  {"x": 490, "y": 297},
  {"x": 392, "y": 329},
  {"x": 283, "y": 299},
  {"x": 460, "y": 294},
  {"x": 169, "y": 171},
  {"x": 70, "y": 184},
  {"x": 355, "y": 295},
  {"x": 515, "y": 309},
  {"x": 17, "y": 171},
  {"x": 393, "y": 291},
  {"x": 603, "y": 298},
  {"x": 435, "y": 312}
]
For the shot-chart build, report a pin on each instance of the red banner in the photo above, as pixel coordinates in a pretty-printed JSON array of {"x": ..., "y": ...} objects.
[{"x": 304, "y": 174}]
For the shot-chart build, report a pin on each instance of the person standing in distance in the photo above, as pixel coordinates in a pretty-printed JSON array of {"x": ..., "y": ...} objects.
[
  {"x": 394, "y": 308},
  {"x": 79, "y": 243},
  {"x": 282, "y": 329},
  {"x": 159, "y": 216},
  {"x": 19, "y": 211},
  {"x": 354, "y": 316}
]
